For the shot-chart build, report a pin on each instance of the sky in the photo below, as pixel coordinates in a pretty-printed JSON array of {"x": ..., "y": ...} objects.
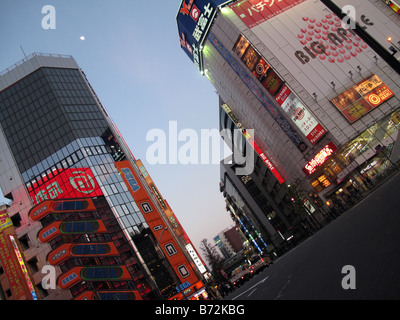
[{"x": 131, "y": 55}]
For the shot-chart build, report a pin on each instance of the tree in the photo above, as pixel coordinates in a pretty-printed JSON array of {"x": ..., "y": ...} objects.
[{"x": 214, "y": 260}]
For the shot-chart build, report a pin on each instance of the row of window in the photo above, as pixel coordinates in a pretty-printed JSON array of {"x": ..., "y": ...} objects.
[{"x": 65, "y": 163}]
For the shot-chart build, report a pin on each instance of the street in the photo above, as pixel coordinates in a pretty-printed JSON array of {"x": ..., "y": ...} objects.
[{"x": 365, "y": 237}]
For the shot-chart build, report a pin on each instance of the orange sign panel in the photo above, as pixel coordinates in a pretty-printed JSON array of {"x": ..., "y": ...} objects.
[{"x": 173, "y": 253}]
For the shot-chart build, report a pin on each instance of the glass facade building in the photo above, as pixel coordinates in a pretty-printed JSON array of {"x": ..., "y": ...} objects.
[{"x": 59, "y": 149}]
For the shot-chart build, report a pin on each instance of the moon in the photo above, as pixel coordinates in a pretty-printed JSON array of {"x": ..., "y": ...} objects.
[{"x": 82, "y": 38}]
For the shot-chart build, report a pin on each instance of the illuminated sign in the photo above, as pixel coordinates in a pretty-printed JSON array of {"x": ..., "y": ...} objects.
[
  {"x": 5, "y": 220},
  {"x": 300, "y": 115},
  {"x": 254, "y": 145},
  {"x": 23, "y": 267},
  {"x": 194, "y": 19},
  {"x": 320, "y": 158},
  {"x": 254, "y": 12},
  {"x": 70, "y": 183},
  {"x": 195, "y": 258},
  {"x": 362, "y": 98}
]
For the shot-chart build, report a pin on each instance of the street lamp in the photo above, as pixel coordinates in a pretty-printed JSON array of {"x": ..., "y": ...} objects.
[{"x": 389, "y": 39}]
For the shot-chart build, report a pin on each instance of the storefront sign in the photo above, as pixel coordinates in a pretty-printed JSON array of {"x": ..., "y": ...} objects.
[
  {"x": 23, "y": 267},
  {"x": 300, "y": 115},
  {"x": 320, "y": 158},
  {"x": 5, "y": 220},
  {"x": 194, "y": 19}
]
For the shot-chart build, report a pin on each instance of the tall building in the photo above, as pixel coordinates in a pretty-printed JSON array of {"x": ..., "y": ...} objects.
[
  {"x": 87, "y": 222},
  {"x": 320, "y": 93}
]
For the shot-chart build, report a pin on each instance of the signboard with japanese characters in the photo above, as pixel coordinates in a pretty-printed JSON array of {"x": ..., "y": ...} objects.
[
  {"x": 254, "y": 12},
  {"x": 70, "y": 183},
  {"x": 362, "y": 98},
  {"x": 194, "y": 19},
  {"x": 300, "y": 115}
]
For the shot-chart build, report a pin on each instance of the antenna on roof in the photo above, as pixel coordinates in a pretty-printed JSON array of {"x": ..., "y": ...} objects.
[{"x": 23, "y": 51}]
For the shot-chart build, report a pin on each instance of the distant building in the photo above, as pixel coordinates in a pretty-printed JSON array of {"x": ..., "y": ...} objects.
[{"x": 229, "y": 242}]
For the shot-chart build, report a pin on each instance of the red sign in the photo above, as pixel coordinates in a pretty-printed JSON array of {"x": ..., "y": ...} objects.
[
  {"x": 12, "y": 270},
  {"x": 283, "y": 94},
  {"x": 255, "y": 12},
  {"x": 70, "y": 183},
  {"x": 379, "y": 95},
  {"x": 320, "y": 158}
]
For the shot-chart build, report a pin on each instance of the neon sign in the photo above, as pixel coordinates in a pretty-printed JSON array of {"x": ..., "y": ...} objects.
[
  {"x": 320, "y": 158},
  {"x": 23, "y": 268},
  {"x": 70, "y": 183}
]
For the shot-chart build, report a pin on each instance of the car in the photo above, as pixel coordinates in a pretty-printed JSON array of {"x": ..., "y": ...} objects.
[
  {"x": 258, "y": 264},
  {"x": 240, "y": 275}
]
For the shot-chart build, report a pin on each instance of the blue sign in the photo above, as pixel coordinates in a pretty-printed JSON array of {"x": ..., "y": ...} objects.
[{"x": 194, "y": 19}]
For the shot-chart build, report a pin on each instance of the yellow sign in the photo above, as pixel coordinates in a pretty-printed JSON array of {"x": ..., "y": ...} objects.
[{"x": 5, "y": 220}]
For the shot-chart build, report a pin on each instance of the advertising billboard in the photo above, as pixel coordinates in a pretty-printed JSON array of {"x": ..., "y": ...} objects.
[
  {"x": 15, "y": 269},
  {"x": 309, "y": 40},
  {"x": 5, "y": 220},
  {"x": 11, "y": 269},
  {"x": 259, "y": 94},
  {"x": 319, "y": 158},
  {"x": 255, "y": 12},
  {"x": 362, "y": 98},
  {"x": 69, "y": 183},
  {"x": 194, "y": 19}
]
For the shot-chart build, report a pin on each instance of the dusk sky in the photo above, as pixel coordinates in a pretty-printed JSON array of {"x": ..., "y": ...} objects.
[{"x": 131, "y": 55}]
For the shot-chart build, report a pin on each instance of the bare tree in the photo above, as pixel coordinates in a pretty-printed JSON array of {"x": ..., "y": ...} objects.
[{"x": 213, "y": 258}]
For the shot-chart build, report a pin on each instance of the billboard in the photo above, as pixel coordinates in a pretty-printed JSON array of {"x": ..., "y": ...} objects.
[
  {"x": 15, "y": 269},
  {"x": 5, "y": 220},
  {"x": 362, "y": 98},
  {"x": 163, "y": 235},
  {"x": 69, "y": 183},
  {"x": 309, "y": 40},
  {"x": 277, "y": 88},
  {"x": 194, "y": 19},
  {"x": 255, "y": 12}
]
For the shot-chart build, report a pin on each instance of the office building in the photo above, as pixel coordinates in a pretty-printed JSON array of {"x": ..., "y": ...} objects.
[
  {"x": 321, "y": 96},
  {"x": 88, "y": 224}
]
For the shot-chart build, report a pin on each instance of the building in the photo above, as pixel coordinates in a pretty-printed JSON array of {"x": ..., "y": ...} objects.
[
  {"x": 229, "y": 242},
  {"x": 88, "y": 223},
  {"x": 314, "y": 97}
]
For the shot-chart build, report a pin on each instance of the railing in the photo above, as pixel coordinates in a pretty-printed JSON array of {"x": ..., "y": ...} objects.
[{"x": 34, "y": 54}]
